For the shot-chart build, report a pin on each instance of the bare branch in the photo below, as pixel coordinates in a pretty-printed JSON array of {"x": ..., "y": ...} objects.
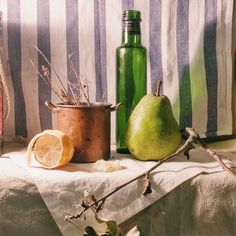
[
  {"x": 193, "y": 137},
  {"x": 87, "y": 88},
  {"x": 51, "y": 66},
  {"x": 47, "y": 82},
  {"x": 73, "y": 93},
  {"x": 100, "y": 202},
  {"x": 78, "y": 80},
  {"x": 103, "y": 96},
  {"x": 217, "y": 157},
  {"x": 60, "y": 90}
]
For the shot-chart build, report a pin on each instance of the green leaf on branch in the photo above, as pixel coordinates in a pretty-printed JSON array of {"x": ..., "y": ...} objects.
[
  {"x": 89, "y": 231},
  {"x": 112, "y": 227}
]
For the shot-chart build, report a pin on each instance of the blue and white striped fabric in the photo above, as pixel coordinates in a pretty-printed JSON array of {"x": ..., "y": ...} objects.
[{"x": 188, "y": 43}]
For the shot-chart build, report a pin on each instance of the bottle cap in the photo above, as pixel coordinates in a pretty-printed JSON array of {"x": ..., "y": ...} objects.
[{"x": 131, "y": 15}]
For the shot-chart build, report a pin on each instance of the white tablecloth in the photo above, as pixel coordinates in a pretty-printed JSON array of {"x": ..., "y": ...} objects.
[{"x": 62, "y": 189}]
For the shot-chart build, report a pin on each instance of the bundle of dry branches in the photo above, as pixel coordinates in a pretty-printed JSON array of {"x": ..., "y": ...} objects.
[{"x": 79, "y": 90}]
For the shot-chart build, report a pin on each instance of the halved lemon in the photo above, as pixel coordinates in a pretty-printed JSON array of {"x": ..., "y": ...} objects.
[{"x": 52, "y": 149}]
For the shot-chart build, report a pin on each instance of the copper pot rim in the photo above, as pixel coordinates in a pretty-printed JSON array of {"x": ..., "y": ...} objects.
[{"x": 85, "y": 105}]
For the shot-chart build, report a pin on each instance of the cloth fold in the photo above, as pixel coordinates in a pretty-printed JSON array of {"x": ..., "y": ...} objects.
[{"x": 63, "y": 189}]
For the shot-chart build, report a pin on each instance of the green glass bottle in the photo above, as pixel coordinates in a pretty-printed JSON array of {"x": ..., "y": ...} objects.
[{"x": 131, "y": 73}]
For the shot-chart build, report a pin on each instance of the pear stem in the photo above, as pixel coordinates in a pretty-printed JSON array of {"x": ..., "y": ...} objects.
[{"x": 159, "y": 83}]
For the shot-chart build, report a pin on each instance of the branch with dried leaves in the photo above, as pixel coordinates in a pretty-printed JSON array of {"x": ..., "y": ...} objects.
[{"x": 191, "y": 137}]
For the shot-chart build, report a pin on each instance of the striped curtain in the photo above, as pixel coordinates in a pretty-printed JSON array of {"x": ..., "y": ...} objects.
[{"x": 188, "y": 43}]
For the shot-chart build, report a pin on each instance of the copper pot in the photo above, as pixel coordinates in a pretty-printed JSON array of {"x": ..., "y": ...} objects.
[{"x": 89, "y": 128}]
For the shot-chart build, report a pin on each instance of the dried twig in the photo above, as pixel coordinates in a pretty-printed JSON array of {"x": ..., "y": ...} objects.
[
  {"x": 78, "y": 80},
  {"x": 103, "y": 96},
  {"x": 193, "y": 137},
  {"x": 217, "y": 157},
  {"x": 51, "y": 66},
  {"x": 100, "y": 202},
  {"x": 76, "y": 87},
  {"x": 48, "y": 83},
  {"x": 87, "y": 87},
  {"x": 59, "y": 90},
  {"x": 73, "y": 93}
]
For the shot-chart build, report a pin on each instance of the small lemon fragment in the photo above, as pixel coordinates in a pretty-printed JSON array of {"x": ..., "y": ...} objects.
[{"x": 52, "y": 149}]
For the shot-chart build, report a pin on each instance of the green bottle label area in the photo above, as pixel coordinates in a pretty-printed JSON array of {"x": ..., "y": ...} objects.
[
  {"x": 131, "y": 87},
  {"x": 131, "y": 27}
]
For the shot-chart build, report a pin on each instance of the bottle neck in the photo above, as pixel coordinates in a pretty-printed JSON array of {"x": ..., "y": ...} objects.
[{"x": 131, "y": 33}]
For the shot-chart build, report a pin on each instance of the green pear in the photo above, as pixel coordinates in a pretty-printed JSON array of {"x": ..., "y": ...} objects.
[{"x": 152, "y": 132}]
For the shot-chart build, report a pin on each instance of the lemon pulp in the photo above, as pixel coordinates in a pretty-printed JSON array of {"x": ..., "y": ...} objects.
[{"x": 52, "y": 149}]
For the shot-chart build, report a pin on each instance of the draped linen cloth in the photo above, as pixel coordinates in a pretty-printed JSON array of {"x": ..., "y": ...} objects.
[
  {"x": 22, "y": 209},
  {"x": 188, "y": 44},
  {"x": 63, "y": 189},
  {"x": 204, "y": 205}
]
